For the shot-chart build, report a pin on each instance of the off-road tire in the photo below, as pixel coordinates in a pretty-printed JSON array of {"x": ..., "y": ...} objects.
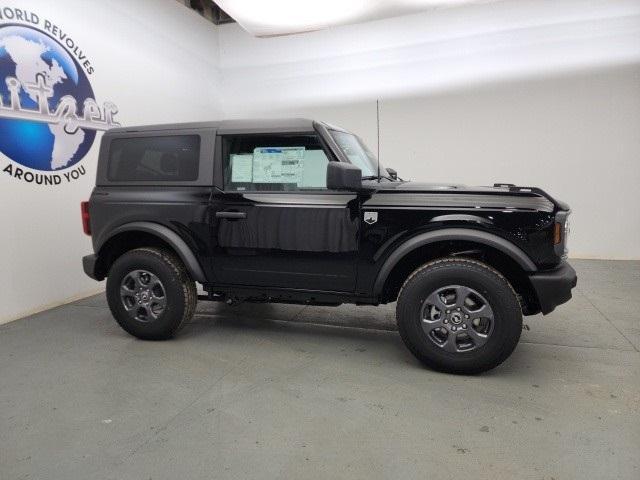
[
  {"x": 180, "y": 291},
  {"x": 485, "y": 280}
]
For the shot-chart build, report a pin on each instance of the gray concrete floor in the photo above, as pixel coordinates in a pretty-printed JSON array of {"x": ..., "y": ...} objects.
[{"x": 279, "y": 391}]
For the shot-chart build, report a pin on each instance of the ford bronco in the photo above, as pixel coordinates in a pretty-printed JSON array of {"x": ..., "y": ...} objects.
[{"x": 300, "y": 211}]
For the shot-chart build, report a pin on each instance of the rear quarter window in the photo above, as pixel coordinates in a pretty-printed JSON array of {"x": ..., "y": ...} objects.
[{"x": 172, "y": 158}]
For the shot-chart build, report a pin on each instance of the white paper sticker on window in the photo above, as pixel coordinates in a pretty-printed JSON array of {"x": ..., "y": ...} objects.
[
  {"x": 278, "y": 164},
  {"x": 241, "y": 168}
]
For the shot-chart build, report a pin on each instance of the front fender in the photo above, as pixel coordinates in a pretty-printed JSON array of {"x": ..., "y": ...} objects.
[{"x": 451, "y": 234}]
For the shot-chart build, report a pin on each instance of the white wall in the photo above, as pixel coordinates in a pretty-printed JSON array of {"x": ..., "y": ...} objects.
[
  {"x": 541, "y": 93},
  {"x": 156, "y": 60}
]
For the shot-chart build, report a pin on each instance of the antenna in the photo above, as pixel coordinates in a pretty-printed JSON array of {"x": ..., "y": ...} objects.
[{"x": 378, "y": 133}]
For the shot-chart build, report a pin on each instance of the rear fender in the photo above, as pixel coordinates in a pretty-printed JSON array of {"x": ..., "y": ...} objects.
[{"x": 168, "y": 236}]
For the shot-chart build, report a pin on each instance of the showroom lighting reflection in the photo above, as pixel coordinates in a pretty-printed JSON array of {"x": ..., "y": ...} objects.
[{"x": 284, "y": 17}]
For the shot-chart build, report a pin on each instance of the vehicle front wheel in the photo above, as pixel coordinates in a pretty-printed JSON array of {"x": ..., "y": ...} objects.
[
  {"x": 150, "y": 293},
  {"x": 459, "y": 316}
]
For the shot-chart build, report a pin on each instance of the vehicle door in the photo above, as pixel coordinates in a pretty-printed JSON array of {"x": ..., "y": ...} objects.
[{"x": 274, "y": 223}]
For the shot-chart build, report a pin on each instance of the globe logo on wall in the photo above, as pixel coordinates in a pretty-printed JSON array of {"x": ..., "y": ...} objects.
[{"x": 48, "y": 112}]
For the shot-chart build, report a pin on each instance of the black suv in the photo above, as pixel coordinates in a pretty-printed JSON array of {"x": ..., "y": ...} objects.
[{"x": 299, "y": 211}]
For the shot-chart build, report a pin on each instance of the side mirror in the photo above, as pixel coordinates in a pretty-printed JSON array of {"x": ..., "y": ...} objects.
[
  {"x": 343, "y": 176},
  {"x": 392, "y": 173}
]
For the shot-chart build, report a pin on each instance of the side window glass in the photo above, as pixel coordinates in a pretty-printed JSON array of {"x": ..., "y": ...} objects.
[
  {"x": 154, "y": 159},
  {"x": 274, "y": 163}
]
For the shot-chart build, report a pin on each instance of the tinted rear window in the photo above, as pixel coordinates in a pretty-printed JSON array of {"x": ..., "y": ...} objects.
[{"x": 154, "y": 159}]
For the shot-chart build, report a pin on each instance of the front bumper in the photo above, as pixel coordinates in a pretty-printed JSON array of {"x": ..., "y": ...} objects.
[
  {"x": 89, "y": 263},
  {"x": 553, "y": 287}
]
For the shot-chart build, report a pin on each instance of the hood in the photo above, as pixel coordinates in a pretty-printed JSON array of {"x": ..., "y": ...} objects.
[
  {"x": 445, "y": 195},
  {"x": 436, "y": 187}
]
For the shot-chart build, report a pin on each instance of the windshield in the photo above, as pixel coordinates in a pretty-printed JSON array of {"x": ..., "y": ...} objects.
[{"x": 358, "y": 154}]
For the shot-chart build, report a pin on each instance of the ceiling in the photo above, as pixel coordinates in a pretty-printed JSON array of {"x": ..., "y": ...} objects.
[{"x": 266, "y": 18}]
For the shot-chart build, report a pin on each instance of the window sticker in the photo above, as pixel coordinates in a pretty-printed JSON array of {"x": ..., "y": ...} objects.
[
  {"x": 278, "y": 164},
  {"x": 241, "y": 168}
]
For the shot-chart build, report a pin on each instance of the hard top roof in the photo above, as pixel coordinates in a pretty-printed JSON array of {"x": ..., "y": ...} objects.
[{"x": 230, "y": 126}]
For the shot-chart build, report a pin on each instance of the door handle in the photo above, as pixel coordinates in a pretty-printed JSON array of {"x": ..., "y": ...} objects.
[{"x": 228, "y": 214}]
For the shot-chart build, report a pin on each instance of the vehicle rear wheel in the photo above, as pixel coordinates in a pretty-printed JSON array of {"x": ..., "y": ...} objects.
[
  {"x": 459, "y": 316},
  {"x": 150, "y": 293}
]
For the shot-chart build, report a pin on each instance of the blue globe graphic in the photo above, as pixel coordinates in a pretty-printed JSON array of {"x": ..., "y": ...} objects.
[{"x": 31, "y": 143}]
